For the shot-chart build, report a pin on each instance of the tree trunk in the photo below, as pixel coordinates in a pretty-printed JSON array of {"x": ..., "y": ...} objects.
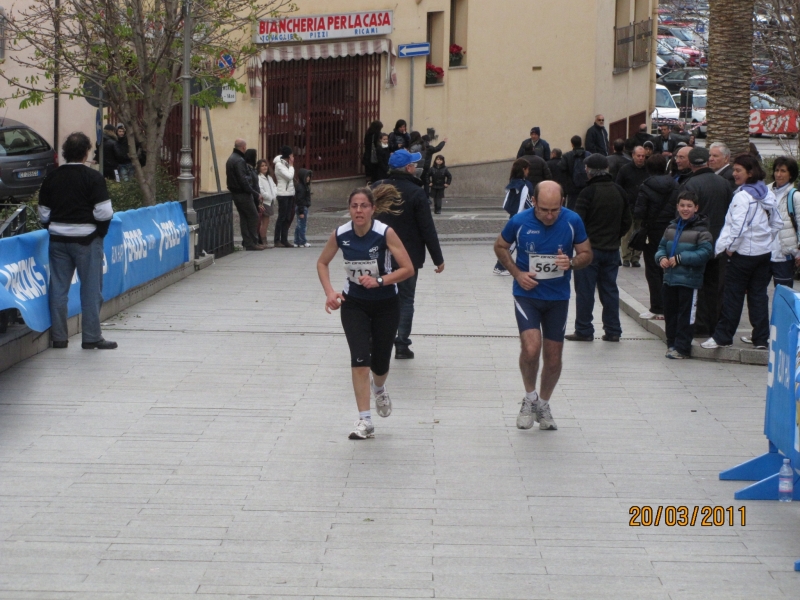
[{"x": 730, "y": 64}]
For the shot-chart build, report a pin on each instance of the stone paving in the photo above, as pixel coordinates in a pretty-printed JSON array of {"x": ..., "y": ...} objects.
[{"x": 209, "y": 456}]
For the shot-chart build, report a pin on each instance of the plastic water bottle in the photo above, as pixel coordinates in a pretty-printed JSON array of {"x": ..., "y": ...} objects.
[{"x": 785, "y": 481}]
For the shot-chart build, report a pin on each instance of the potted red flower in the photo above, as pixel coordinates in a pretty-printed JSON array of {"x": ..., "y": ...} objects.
[
  {"x": 433, "y": 74},
  {"x": 456, "y": 55}
]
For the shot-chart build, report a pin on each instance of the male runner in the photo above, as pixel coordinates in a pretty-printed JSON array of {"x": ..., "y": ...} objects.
[{"x": 546, "y": 237}]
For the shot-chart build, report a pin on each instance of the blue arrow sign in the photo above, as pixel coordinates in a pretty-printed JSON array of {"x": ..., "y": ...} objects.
[{"x": 412, "y": 50}]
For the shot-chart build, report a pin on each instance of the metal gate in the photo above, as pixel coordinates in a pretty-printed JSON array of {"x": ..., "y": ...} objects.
[{"x": 322, "y": 109}]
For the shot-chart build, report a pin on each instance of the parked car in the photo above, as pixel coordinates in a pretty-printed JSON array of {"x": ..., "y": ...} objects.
[
  {"x": 693, "y": 56},
  {"x": 699, "y": 104},
  {"x": 678, "y": 32},
  {"x": 665, "y": 52},
  {"x": 666, "y": 109},
  {"x": 676, "y": 79},
  {"x": 25, "y": 159}
]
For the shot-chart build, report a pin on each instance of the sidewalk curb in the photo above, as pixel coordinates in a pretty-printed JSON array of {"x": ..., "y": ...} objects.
[{"x": 633, "y": 308}]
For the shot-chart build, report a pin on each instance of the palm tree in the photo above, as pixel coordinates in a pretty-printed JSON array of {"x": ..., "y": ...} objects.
[{"x": 730, "y": 64}]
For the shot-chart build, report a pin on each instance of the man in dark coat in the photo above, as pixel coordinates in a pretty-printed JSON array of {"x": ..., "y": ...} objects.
[
  {"x": 603, "y": 206},
  {"x": 241, "y": 188},
  {"x": 715, "y": 197},
  {"x": 535, "y": 145},
  {"x": 642, "y": 135},
  {"x": 415, "y": 228},
  {"x": 719, "y": 161},
  {"x": 538, "y": 170},
  {"x": 665, "y": 142},
  {"x": 556, "y": 169},
  {"x": 597, "y": 137},
  {"x": 618, "y": 158},
  {"x": 573, "y": 188},
  {"x": 630, "y": 179}
]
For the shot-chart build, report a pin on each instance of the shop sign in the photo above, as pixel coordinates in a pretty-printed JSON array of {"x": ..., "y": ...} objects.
[{"x": 324, "y": 27}]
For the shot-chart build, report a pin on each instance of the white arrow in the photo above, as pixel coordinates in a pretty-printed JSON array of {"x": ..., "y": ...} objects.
[{"x": 412, "y": 49}]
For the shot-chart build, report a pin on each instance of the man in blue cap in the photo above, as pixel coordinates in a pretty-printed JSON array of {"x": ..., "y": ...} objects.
[{"x": 413, "y": 224}]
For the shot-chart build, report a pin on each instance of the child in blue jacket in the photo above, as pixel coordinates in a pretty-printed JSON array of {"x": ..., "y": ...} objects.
[{"x": 684, "y": 250}]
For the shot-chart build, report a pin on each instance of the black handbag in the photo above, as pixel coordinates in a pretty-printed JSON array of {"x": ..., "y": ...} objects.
[{"x": 638, "y": 240}]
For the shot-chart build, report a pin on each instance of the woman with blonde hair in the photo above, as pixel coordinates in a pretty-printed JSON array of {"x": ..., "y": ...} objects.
[
  {"x": 369, "y": 307},
  {"x": 269, "y": 193}
]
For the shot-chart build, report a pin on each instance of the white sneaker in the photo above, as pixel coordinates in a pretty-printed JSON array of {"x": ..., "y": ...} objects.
[
  {"x": 544, "y": 416},
  {"x": 306, "y": 245},
  {"x": 363, "y": 429},
  {"x": 527, "y": 413},
  {"x": 383, "y": 404},
  {"x": 647, "y": 315},
  {"x": 746, "y": 339},
  {"x": 711, "y": 344}
]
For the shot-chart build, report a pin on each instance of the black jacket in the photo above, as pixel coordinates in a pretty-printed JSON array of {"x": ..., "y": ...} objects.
[
  {"x": 428, "y": 153},
  {"x": 604, "y": 209},
  {"x": 541, "y": 149},
  {"x": 656, "y": 202},
  {"x": 439, "y": 177},
  {"x": 567, "y": 164},
  {"x": 370, "y": 141},
  {"x": 414, "y": 225},
  {"x": 238, "y": 176},
  {"x": 658, "y": 143},
  {"x": 727, "y": 175},
  {"x": 399, "y": 140},
  {"x": 641, "y": 137},
  {"x": 538, "y": 170},
  {"x": 556, "y": 171},
  {"x": 110, "y": 163},
  {"x": 715, "y": 197},
  {"x": 616, "y": 162},
  {"x": 381, "y": 170},
  {"x": 629, "y": 178},
  {"x": 597, "y": 140},
  {"x": 302, "y": 190}
]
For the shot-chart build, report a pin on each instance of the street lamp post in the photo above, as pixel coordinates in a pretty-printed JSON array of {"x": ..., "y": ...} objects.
[{"x": 186, "y": 179}]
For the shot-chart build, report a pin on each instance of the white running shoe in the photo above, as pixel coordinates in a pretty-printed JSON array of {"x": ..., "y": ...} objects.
[
  {"x": 746, "y": 339},
  {"x": 383, "y": 404},
  {"x": 306, "y": 245},
  {"x": 363, "y": 429},
  {"x": 711, "y": 344},
  {"x": 647, "y": 315},
  {"x": 544, "y": 416},
  {"x": 527, "y": 413}
]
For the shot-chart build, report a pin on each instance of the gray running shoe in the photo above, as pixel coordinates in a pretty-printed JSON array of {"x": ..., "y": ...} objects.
[
  {"x": 674, "y": 354},
  {"x": 383, "y": 404},
  {"x": 543, "y": 415},
  {"x": 526, "y": 414},
  {"x": 363, "y": 430}
]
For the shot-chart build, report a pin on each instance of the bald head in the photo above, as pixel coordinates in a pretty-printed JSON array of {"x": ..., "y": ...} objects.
[
  {"x": 548, "y": 192},
  {"x": 682, "y": 158},
  {"x": 240, "y": 144}
]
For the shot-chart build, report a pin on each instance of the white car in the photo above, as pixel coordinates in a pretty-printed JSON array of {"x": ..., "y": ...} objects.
[
  {"x": 665, "y": 106},
  {"x": 699, "y": 103}
]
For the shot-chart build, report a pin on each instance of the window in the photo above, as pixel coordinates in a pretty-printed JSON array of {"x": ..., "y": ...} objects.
[
  {"x": 436, "y": 38},
  {"x": 15, "y": 142},
  {"x": 458, "y": 27},
  {"x": 664, "y": 100}
]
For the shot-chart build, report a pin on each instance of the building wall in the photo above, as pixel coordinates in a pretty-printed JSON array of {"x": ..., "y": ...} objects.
[{"x": 74, "y": 115}]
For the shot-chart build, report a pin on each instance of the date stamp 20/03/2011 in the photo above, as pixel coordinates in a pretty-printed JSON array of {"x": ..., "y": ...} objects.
[{"x": 684, "y": 516}]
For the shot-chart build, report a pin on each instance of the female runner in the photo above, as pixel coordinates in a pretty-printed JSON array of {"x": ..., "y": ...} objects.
[{"x": 369, "y": 304}]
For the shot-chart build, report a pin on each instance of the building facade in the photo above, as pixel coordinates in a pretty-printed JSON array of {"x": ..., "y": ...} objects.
[{"x": 332, "y": 67}]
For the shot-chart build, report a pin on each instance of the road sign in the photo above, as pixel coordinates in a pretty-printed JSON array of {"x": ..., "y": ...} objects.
[
  {"x": 227, "y": 62},
  {"x": 228, "y": 94},
  {"x": 412, "y": 50}
]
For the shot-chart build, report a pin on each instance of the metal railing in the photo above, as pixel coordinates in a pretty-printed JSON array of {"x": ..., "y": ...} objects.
[
  {"x": 215, "y": 218},
  {"x": 13, "y": 219}
]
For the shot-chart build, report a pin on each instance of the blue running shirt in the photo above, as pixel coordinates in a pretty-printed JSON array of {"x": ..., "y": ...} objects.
[
  {"x": 362, "y": 255},
  {"x": 534, "y": 238}
]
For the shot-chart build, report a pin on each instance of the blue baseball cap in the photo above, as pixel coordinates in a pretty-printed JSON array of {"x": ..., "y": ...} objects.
[{"x": 403, "y": 157}]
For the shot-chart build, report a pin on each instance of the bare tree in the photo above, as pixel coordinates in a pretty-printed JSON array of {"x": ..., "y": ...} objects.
[
  {"x": 730, "y": 59},
  {"x": 134, "y": 49}
]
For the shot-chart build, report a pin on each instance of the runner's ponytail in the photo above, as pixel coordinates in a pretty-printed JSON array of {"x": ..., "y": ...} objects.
[{"x": 383, "y": 198}]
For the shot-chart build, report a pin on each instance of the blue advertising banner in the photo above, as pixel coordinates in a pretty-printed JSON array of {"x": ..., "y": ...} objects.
[{"x": 140, "y": 246}]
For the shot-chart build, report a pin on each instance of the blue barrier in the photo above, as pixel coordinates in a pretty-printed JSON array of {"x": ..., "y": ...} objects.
[
  {"x": 782, "y": 412},
  {"x": 140, "y": 246}
]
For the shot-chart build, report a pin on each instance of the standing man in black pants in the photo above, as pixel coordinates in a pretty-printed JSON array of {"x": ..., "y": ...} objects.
[
  {"x": 412, "y": 221},
  {"x": 241, "y": 188}
]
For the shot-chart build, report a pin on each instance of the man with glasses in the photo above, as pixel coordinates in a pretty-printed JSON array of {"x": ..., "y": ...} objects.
[
  {"x": 551, "y": 243},
  {"x": 597, "y": 137}
]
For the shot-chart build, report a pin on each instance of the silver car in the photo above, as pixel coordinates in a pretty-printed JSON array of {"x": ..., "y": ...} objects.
[{"x": 25, "y": 159}]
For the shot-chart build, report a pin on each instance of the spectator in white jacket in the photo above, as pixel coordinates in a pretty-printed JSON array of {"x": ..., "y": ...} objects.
[
  {"x": 284, "y": 174},
  {"x": 748, "y": 236},
  {"x": 269, "y": 193},
  {"x": 785, "y": 253}
]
